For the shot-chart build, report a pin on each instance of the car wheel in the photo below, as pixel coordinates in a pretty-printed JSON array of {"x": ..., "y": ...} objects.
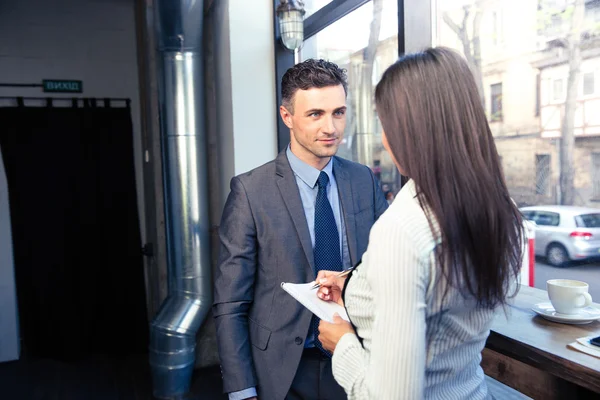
[{"x": 557, "y": 255}]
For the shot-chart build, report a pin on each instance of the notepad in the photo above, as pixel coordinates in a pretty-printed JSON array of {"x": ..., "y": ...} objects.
[
  {"x": 583, "y": 345},
  {"x": 307, "y": 296}
]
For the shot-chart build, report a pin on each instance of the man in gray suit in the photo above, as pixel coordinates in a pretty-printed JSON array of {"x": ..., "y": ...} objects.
[{"x": 305, "y": 211}]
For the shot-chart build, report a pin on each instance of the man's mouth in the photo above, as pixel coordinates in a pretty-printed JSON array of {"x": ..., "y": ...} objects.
[{"x": 328, "y": 140}]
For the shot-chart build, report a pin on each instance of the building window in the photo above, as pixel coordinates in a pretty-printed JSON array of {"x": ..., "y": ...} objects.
[
  {"x": 596, "y": 176},
  {"x": 557, "y": 90},
  {"x": 496, "y": 102},
  {"x": 588, "y": 83},
  {"x": 542, "y": 173}
]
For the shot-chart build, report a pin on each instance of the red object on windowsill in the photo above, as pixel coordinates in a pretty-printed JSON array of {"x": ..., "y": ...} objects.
[{"x": 532, "y": 262}]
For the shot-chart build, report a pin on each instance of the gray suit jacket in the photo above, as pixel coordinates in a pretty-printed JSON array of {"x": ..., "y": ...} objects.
[{"x": 265, "y": 241}]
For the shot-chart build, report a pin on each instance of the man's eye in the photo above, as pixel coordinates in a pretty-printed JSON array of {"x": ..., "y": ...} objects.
[
  {"x": 315, "y": 114},
  {"x": 341, "y": 112}
]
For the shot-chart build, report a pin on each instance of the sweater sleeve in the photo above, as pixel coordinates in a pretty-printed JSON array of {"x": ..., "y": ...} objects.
[{"x": 395, "y": 367}]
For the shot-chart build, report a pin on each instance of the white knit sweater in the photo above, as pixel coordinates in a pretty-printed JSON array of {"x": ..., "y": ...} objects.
[{"x": 415, "y": 347}]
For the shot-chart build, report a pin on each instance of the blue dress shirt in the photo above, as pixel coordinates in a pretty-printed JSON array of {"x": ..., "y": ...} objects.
[{"x": 306, "y": 179}]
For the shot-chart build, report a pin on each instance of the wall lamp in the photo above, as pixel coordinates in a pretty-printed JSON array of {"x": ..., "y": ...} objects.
[{"x": 291, "y": 23}]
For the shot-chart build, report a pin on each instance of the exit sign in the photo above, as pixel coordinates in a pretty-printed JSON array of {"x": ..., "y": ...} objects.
[{"x": 62, "y": 86}]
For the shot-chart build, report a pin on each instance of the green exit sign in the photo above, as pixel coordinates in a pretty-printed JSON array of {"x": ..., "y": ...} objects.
[{"x": 62, "y": 86}]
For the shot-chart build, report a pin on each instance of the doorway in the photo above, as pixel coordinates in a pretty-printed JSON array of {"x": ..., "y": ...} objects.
[{"x": 75, "y": 228}]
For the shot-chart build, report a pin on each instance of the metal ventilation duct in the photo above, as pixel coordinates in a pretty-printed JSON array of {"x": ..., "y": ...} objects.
[{"x": 181, "y": 97}]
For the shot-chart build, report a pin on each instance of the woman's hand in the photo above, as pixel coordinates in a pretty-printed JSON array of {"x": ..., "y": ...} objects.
[
  {"x": 330, "y": 334},
  {"x": 331, "y": 286}
]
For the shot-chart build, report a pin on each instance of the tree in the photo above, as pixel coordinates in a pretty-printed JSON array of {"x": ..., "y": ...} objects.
[
  {"x": 567, "y": 141},
  {"x": 361, "y": 103},
  {"x": 469, "y": 35},
  {"x": 566, "y": 25}
]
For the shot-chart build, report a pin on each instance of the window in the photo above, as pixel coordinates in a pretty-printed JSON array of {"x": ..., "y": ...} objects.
[
  {"x": 588, "y": 221},
  {"x": 595, "y": 176},
  {"x": 557, "y": 90},
  {"x": 545, "y": 218},
  {"x": 588, "y": 83},
  {"x": 345, "y": 42},
  {"x": 542, "y": 173},
  {"x": 528, "y": 215},
  {"x": 496, "y": 102},
  {"x": 530, "y": 60}
]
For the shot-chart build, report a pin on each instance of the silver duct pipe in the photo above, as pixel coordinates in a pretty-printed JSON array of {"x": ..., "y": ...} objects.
[{"x": 173, "y": 330}]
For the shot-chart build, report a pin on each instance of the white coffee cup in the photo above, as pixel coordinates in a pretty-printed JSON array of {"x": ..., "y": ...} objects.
[{"x": 568, "y": 296}]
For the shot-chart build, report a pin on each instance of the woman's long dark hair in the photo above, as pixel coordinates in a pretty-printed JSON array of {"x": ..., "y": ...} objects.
[{"x": 437, "y": 130}]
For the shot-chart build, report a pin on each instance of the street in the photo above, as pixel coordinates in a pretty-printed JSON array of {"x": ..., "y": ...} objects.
[{"x": 586, "y": 272}]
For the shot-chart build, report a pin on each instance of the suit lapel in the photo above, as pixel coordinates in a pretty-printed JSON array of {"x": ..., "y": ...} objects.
[
  {"x": 286, "y": 181},
  {"x": 348, "y": 210}
]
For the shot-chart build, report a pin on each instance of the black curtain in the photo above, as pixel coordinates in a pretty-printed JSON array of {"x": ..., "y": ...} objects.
[{"x": 75, "y": 229}]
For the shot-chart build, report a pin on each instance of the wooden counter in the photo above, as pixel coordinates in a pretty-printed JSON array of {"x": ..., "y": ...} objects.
[{"x": 530, "y": 354}]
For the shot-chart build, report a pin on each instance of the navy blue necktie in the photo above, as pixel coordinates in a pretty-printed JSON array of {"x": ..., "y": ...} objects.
[{"x": 327, "y": 243}]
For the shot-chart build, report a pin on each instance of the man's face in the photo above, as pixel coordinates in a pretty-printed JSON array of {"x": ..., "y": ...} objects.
[{"x": 317, "y": 124}]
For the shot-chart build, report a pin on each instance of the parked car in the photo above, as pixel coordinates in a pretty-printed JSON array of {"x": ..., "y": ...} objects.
[{"x": 565, "y": 233}]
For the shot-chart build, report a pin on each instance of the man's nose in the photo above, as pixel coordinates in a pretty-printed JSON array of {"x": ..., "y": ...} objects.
[{"x": 328, "y": 125}]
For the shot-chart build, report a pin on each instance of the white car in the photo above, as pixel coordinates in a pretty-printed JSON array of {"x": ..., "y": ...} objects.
[{"x": 565, "y": 233}]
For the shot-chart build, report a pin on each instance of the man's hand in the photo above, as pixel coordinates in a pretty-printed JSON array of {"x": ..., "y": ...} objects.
[
  {"x": 331, "y": 286},
  {"x": 330, "y": 334}
]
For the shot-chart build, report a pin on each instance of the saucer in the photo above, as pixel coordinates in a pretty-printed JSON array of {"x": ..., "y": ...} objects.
[{"x": 585, "y": 315}]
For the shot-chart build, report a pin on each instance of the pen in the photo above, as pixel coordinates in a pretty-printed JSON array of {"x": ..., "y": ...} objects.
[{"x": 341, "y": 274}]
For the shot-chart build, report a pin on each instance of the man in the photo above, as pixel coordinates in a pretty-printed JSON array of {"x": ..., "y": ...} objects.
[{"x": 283, "y": 222}]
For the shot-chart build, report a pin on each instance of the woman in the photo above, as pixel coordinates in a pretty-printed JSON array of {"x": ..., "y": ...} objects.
[{"x": 442, "y": 258}]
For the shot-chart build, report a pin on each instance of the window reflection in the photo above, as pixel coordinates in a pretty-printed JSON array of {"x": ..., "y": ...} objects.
[
  {"x": 536, "y": 63},
  {"x": 365, "y": 43}
]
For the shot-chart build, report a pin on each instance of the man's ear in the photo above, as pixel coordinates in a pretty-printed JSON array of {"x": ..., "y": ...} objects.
[{"x": 286, "y": 116}]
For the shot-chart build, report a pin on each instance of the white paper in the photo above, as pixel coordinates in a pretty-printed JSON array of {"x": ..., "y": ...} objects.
[
  {"x": 309, "y": 299},
  {"x": 586, "y": 342},
  {"x": 579, "y": 347}
]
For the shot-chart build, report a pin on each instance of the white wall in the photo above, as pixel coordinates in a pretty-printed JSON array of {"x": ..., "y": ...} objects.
[
  {"x": 245, "y": 86},
  {"x": 252, "y": 46}
]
